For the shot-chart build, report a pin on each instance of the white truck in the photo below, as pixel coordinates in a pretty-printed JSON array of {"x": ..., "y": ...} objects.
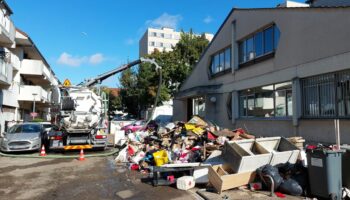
[{"x": 80, "y": 115}]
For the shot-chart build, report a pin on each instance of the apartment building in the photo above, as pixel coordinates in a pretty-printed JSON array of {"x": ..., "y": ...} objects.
[
  {"x": 9, "y": 66},
  {"x": 35, "y": 79},
  {"x": 25, "y": 76},
  {"x": 275, "y": 71},
  {"x": 161, "y": 39}
]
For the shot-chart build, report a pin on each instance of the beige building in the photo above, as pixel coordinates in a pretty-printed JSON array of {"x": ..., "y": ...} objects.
[
  {"x": 275, "y": 71},
  {"x": 161, "y": 39}
]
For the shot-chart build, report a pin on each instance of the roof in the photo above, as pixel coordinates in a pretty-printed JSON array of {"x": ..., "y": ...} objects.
[
  {"x": 6, "y": 6},
  {"x": 37, "y": 49},
  {"x": 252, "y": 9}
]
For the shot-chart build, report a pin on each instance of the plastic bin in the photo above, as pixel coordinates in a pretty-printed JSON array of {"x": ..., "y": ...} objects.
[
  {"x": 160, "y": 157},
  {"x": 325, "y": 177},
  {"x": 346, "y": 166},
  {"x": 282, "y": 150},
  {"x": 245, "y": 155}
]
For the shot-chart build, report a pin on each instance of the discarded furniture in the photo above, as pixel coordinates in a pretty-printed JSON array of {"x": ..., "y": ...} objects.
[
  {"x": 245, "y": 155},
  {"x": 222, "y": 177},
  {"x": 282, "y": 150},
  {"x": 168, "y": 176}
]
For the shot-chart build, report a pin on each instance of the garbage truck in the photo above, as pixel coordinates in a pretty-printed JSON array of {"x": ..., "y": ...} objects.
[{"x": 79, "y": 113}]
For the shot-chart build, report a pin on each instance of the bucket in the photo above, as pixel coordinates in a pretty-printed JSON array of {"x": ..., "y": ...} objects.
[{"x": 160, "y": 157}]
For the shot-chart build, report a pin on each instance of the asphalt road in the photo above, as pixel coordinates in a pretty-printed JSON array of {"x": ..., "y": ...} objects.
[{"x": 95, "y": 178}]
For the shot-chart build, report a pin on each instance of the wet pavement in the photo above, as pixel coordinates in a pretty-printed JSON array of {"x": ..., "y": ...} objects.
[{"x": 94, "y": 178}]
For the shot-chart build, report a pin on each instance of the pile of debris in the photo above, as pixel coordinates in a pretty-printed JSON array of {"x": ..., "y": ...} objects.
[
  {"x": 176, "y": 143},
  {"x": 200, "y": 152}
]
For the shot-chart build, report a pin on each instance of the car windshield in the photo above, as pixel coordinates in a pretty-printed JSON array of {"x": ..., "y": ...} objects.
[{"x": 25, "y": 128}]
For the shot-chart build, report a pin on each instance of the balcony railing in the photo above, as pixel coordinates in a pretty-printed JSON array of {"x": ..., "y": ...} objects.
[
  {"x": 8, "y": 30},
  {"x": 16, "y": 63},
  {"x": 31, "y": 92}
]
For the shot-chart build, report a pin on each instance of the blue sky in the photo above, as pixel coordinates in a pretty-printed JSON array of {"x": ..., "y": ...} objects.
[{"x": 84, "y": 38}]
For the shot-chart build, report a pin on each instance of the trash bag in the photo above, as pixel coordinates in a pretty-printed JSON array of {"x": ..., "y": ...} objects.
[
  {"x": 291, "y": 187},
  {"x": 271, "y": 171}
]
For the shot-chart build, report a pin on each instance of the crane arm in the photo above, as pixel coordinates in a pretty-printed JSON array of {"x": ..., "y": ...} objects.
[{"x": 101, "y": 77}]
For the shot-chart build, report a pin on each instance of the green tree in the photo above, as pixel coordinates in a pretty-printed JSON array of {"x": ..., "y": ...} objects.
[{"x": 176, "y": 65}]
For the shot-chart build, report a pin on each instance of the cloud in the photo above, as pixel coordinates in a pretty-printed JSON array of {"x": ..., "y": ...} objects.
[
  {"x": 96, "y": 59},
  {"x": 165, "y": 20},
  {"x": 67, "y": 59},
  {"x": 130, "y": 41},
  {"x": 208, "y": 19},
  {"x": 76, "y": 61}
]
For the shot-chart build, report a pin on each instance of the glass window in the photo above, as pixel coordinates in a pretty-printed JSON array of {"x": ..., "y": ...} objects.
[
  {"x": 268, "y": 40},
  {"x": 242, "y": 52},
  {"x": 250, "y": 49},
  {"x": 259, "y": 44},
  {"x": 222, "y": 61},
  {"x": 228, "y": 58},
  {"x": 217, "y": 63},
  {"x": 267, "y": 101},
  {"x": 199, "y": 106},
  {"x": 276, "y": 36}
]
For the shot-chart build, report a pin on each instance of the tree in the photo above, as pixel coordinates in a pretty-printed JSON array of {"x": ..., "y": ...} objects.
[{"x": 176, "y": 65}]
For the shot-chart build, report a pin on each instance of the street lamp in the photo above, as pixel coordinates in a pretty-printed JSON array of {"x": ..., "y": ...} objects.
[{"x": 34, "y": 94}]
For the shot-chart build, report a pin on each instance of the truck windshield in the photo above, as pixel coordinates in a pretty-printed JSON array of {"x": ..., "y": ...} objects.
[{"x": 24, "y": 128}]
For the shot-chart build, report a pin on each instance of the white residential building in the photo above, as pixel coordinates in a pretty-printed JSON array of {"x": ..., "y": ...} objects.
[
  {"x": 25, "y": 76},
  {"x": 161, "y": 39}
]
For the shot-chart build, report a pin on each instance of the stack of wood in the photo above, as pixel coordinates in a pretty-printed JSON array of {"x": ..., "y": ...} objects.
[{"x": 297, "y": 141}]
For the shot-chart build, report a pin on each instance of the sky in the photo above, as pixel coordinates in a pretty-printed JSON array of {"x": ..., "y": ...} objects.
[{"x": 81, "y": 39}]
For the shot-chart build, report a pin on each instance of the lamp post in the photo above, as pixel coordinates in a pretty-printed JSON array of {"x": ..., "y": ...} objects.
[{"x": 34, "y": 94}]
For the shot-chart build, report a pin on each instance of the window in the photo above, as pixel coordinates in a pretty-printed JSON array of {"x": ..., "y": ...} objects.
[
  {"x": 151, "y": 44},
  {"x": 261, "y": 43},
  {"x": 176, "y": 37},
  {"x": 267, "y": 101},
  {"x": 199, "y": 106},
  {"x": 167, "y": 36},
  {"x": 153, "y": 34},
  {"x": 221, "y": 61},
  {"x": 326, "y": 96}
]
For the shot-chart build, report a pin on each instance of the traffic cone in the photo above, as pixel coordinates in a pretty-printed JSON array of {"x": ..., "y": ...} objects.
[
  {"x": 81, "y": 156},
  {"x": 42, "y": 152}
]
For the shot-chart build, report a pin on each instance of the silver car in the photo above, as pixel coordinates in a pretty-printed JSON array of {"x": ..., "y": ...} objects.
[{"x": 22, "y": 137}]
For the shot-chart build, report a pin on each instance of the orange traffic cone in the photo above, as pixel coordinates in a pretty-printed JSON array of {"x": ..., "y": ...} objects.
[
  {"x": 81, "y": 156},
  {"x": 42, "y": 152}
]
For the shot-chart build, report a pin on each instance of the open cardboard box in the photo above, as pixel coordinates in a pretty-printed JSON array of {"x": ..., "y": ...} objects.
[{"x": 223, "y": 178}]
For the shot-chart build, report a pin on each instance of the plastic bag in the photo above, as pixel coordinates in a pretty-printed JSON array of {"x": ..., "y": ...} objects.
[
  {"x": 271, "y": 171},
  {"x": 291, "y": 187}
]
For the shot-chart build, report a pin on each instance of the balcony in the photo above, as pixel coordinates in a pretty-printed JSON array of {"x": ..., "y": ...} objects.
[
  {"x": 7, "y": 31},
  {"x": 35, "y": 71},
  {"x": 15, "y": 62},
  {"x": 5, "y": 74},
  {"x": 26, "y": 94}
]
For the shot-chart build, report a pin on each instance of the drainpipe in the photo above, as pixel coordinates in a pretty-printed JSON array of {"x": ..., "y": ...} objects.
[{"x": 296, "y": 102}]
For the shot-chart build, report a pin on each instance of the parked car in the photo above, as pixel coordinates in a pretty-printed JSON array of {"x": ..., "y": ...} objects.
[
  {"x": 138, "y": 126},
  {"x": 23, "y": 137}
]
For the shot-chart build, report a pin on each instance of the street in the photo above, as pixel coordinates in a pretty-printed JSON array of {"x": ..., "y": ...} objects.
[{"x": 94, "y": 178}]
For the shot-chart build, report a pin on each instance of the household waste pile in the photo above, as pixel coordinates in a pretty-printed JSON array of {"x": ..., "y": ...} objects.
[{"x": 176, "y": 143}]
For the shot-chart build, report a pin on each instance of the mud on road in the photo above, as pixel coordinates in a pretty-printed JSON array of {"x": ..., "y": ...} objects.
[{"x": 94, "y": 178}]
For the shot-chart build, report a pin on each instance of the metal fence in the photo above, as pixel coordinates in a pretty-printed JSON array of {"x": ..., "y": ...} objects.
[{"x": 326, "y": 96}]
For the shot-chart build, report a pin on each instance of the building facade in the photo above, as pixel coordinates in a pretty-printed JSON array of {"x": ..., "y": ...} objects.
[
  {"x": 161, "y": 39},
  {"x": 275, "y": 71},
  {"x": 25, "y": 76}
]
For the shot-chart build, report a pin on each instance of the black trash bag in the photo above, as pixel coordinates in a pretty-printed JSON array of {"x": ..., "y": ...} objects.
[
  {"x": 291, "y": 187},
  {"x": 271, "y": 171}
]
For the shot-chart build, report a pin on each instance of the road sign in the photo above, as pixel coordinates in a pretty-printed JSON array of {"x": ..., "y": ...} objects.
[
  {"x": 67, "y": 83},
  {"x": 33, "y": 114}
]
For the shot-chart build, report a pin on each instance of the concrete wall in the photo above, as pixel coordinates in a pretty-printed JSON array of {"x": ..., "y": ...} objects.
[{"x": 312, "y": 42}]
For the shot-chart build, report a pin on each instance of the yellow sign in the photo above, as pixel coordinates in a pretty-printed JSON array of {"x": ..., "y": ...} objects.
[{"x": 66, "y": 83}]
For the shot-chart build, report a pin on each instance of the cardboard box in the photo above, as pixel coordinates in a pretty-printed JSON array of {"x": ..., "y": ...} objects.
[{"x": 223, "y": 178}]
